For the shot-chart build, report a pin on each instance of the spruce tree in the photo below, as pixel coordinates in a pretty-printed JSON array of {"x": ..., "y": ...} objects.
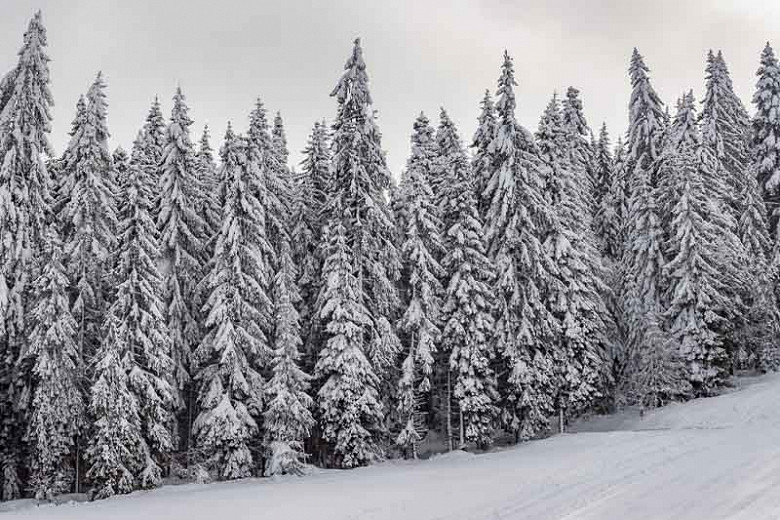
[
  {"x": 482, "y": 161},
  {"x": 139, "y": 319},
  {"x": 581, "y": 153},
  {"x": 210, "y": 205},
  {"x": 89, "y": 217},
  {"x": 360, "y": 181},
  {"x": 643, "y": 283},
  {"x": 57, "y": 407},
  {"x": 468, "y": 325},
  {"x": 235, "y": 347},
  {"x": 25, "y": 122},
  {"x": 121, "y": 164},
  {"x": 766, "y": 132},
  {"x": 349, "y": 408},
  {"x": 309, "y": 217},
  {"x": 516, "y": 220},
  {"x": 287, "y": 418},
  {"x": 576, "y": 297},
  {"x": 422, "y": 245},
  {"x": 181, "y": 241}
]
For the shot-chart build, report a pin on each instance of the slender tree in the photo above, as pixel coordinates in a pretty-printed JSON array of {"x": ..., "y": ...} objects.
[
  {"x": 766, "y": 132},
  {"x": 482, "y": 163},
  {"x": 235, "y": 347}
]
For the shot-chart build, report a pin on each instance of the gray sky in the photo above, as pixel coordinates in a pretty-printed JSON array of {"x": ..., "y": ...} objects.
[{"x": 420, "y": 55}]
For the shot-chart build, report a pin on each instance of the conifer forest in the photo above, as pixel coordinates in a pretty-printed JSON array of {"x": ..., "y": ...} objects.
[{"x": 194, "y": 307}]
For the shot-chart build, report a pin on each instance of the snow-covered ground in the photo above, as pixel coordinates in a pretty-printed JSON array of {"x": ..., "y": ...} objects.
[{"x": 704, "y": 460}]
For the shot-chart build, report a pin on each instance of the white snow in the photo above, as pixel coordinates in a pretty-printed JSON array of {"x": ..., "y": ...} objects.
[{"x": 716, "y": 458}]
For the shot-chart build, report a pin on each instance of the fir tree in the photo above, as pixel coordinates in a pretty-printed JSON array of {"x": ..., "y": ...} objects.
[
  {"x": 576, "y": 297},
  {"x": 57, "y": 408},
  {"x": 360, "y": 180},
  {"x": 516, "y": 220},
  {"x": 766, "y": 132},
  {"x": 235, "y": 348},
  {"x": 483, "y": 158},
  {"x": 210, "y": 205},
  {"x": 181, "y": 241},
  {"x": 422, "y": 245},
  {"x": 287, "y": 418},
  {"x": 138, "y": 316},
  {"x": 89, "y": 217},
  {"x": 581, "y": 155},
  {"x": 349, "y": 409},
  {"x": 467, "y": 331},
  {"x": 25, "y": 122},
  {"x": 116, "y": 451},
  {"x": 121, "y": 164},
  {"x": 307, "y": 238}
]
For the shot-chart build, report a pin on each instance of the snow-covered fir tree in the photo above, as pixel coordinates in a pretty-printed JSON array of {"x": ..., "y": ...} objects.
[
  {"x": 116, "y": 451},
  {"x": 25, "y": 122},
  {"x": 89, "y": 217},
  {"x": 697, "y": 292},
  {"x": 360, "y": 181},
  {"x": 643, "y": 282},
  {"x": 210, "y": 206},
  {"x": 235, "y": 347},
  {"x": 766, "y": 132},
  {"x": 181, "y": 241},
  {"x": 308, "y": 214},
  {"x": 287, "y": 417},
  {"x": 348, "y": 403},
  {"x": 57, "y": 407},
  {"x": 516, "y": 220},
  {"x": 576, "y": 297},
  {"x": 139, "y": 318},
  {"x": 468, "y": 325},
  {"x": 154, "y": 140},
  {"x": 121, "y": 164},
  {"x": 581, "y": 154},
  {"x": 421, "y": 247},
  {"x": 482, "y": 162}
]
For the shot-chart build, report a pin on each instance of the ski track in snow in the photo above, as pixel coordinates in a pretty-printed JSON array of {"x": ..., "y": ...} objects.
[{"x": 716, "y": 458}]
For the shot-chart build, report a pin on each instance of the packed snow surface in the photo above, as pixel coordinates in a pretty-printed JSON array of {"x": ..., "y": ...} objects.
[{"x": 707, "y": 459}]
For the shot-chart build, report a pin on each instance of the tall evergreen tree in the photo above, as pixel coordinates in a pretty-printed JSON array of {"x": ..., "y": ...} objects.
[
  {"x": 643, "y": 282},
  {"x": 422, "y": 245},
  {"x": 516, "y": 220},
  {"x": 576, "y": 297},
  {"x": 467, "y": 333},
  {"x": 766, "y": 132},
  {"x": 360, "y": 181},
  {"x": 349, "y": 408},
  {"x": 25, "y": 122},
  {"x": 235, "y": 347},
  {"x": 287, "y": 418},
  {"x": 307, "y": 239},
  {"x": 581, "y": 153},
  {"x": 57, "y": 408},
  {"x": 181, "y": 241},
  {"x": 139, "y": 318},
  {"x": 210, "y": 205},
  {"x": 482, "y": 163},
  {"x": 89, "y": 217}
]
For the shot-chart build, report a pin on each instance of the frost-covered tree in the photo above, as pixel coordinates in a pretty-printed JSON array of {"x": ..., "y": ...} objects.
[
  {"x": 210, "y": 205},
  {"x": 643, "y": 282},
  {"x": 360, "y": 181},
  {"x": 181, "y": 241},
  {"x": 154, "y": 141},
  {"x": 287, "y": 417},
  {"x": 309, "y": 217},
  {"x": 766, "y": 132},
  {"x": 468, "y": 325},
  {"x": 139, "y": 318},
  {"x": 25, "y": 122},
  {"x": 517, "y": 217},
  {"x": 116, "y": 451},
  {"x": 121, "y": 164},
  {"x": 235, "y": 348},
  {"x": 581, "y": 154},
  {"x": 57, "y": 407},
  {"x": 604, "y": 166},
  {"x": 482, "y": 163},
  {"x": 422, "y": 245},
  {"x": 349, "y": 408},
  {"x": 575, "y": 299},
  {"x": 88, "y": 217}
]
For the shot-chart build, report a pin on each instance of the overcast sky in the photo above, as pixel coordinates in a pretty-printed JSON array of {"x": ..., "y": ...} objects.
[{"x": 420, "y": 55}]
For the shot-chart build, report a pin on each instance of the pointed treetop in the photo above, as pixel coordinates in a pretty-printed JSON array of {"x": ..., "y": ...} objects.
[{"x": 506, "y": 94}]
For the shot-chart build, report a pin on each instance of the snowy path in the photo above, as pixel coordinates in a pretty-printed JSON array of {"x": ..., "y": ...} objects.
[{"x": 709, "y": 459}]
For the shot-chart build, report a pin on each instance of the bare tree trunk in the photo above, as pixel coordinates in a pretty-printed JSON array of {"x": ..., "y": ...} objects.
[
  {"x": 561, "y": 421},
  {"x": 462, "y": 433}
]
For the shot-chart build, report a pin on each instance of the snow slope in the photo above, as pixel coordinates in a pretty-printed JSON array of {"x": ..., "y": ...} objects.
[{"x": 704, "y": 460}]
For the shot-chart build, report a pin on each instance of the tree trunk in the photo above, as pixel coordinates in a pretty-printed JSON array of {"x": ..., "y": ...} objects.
[{"x": 449, "y": 411}]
